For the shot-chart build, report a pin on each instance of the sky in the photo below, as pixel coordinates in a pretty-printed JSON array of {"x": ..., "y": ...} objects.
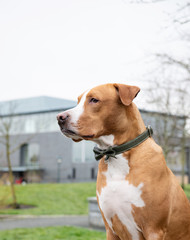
[{"x": 61, "y": 48}]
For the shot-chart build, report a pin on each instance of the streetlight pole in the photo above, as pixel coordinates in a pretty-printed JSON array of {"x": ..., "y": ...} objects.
[{"x": 59, "y": 161}]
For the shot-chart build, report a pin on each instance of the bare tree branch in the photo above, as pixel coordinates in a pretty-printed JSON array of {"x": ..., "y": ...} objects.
[{"x": 170, "y": 60}]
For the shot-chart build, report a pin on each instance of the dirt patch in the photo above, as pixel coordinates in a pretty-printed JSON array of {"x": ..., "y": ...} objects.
[{"x": 18, "y": 206}]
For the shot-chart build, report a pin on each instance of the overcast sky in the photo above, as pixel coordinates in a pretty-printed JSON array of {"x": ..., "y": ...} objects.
[{"x": 62, "y": 47}]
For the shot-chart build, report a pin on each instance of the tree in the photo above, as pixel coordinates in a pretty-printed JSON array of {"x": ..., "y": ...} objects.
[
  {"x": 5, "y": 132},
  {"x": 170, "y": 88},
  {"x": 7, "y": 124},
  {"x": 170, "y": 98}
]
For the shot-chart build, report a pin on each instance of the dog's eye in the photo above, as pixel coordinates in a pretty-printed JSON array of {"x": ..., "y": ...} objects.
[{"x": 94, "y": 100}]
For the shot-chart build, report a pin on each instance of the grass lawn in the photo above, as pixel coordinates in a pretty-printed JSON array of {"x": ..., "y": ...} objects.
[
  {"x": 70, "y": 198},
  {"x": 53, "y": 199},
  {"x": 187, "y": 190},
  {"x": 52, "y": 233}
]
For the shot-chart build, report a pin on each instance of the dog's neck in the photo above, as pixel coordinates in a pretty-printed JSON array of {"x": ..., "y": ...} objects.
[{"x": 104, "y": 142}]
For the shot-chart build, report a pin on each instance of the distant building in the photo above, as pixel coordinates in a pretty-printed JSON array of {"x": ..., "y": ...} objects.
[
  {"x": 40, "y": 151},
  {"x": 43, "y": 153}
]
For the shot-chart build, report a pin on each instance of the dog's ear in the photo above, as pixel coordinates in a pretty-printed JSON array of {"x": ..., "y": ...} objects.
[{"x": 126, "y": 93}]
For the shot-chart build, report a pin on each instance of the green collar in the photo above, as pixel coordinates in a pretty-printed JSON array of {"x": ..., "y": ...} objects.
[{"x": 115, "y": 150}]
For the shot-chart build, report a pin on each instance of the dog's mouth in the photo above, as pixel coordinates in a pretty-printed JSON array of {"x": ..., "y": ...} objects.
[
  {"x": 88, "y": 137},
  {"x": 73, "y": 134},
  {"x": 68, "y": 131}
]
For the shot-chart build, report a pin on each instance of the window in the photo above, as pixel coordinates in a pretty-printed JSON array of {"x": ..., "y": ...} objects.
[
  {"x": 83, "y": 152},
  {"x": 74, "y": 173},
  {"x": 92, "y": 173},
  {"x": 33, "y": 154},
  {"x": 24, "y": 155},
  {"x": 29, "y": 155},
  {"x": 29, "y": 125},
  {"x": 187, "y": 151},
  {"x": 174, "y": 160}
]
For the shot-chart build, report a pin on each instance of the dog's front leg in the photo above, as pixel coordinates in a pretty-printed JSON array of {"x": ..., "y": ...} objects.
[{"x": 110, "y": 235}]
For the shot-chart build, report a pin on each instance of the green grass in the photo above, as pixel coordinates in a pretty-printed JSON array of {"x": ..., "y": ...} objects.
[
  {"x": 187, "y": 190},
  {"x": 53, "y": 199},
  {"x": 52, "y": 233},
  {"x": 50, "y": 199}
]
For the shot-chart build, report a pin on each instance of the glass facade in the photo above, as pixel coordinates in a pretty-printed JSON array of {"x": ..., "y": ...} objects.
[
  {"x": 33, "y": 123},
  {"x": 83, "y": 152}
]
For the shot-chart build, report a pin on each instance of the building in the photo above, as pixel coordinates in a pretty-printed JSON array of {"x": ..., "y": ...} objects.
[{"x": 40, "y": 152}]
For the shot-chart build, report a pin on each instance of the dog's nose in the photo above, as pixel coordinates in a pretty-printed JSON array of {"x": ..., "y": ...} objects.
[{"x": 62, "y": 118}]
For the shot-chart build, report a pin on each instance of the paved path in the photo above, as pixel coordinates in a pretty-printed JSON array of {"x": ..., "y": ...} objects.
[{"x": 22, "y": 221}]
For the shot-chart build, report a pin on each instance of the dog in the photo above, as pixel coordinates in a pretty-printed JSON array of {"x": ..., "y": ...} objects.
[{"x": 138, "y": 195}]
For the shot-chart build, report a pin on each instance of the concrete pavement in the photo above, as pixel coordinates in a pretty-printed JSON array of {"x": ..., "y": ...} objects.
[{"x": 28, "y": 221}]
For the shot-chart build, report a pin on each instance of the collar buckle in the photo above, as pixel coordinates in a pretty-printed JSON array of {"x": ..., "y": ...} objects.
[{"x": 150, "y": 131}]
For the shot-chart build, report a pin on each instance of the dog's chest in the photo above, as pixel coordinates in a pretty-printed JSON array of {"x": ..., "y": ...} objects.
[{"x": 118, "y": 196}]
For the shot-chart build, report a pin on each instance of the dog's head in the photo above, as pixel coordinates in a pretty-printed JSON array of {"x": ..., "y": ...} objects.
[{"x": 100, "y": 111}]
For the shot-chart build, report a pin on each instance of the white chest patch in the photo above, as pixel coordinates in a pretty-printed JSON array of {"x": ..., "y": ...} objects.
[{"x": 118, "y": 195}]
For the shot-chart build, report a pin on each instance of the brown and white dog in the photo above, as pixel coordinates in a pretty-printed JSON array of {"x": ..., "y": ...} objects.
[{"x": 138, "y": 196}]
